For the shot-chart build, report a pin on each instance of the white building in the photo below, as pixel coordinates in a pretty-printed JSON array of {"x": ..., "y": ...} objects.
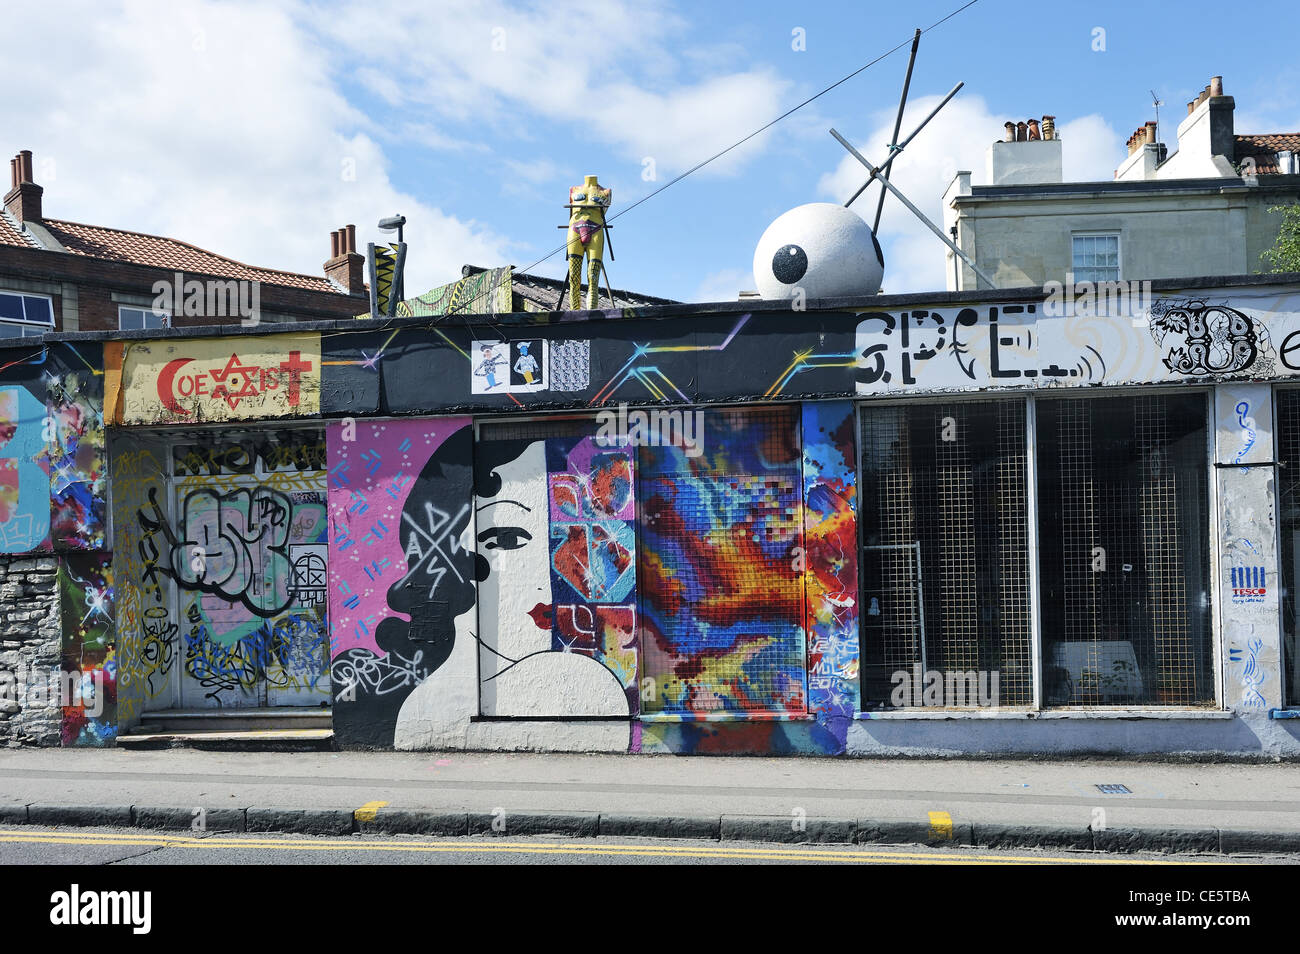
[{"x": 1202, "y": 210}]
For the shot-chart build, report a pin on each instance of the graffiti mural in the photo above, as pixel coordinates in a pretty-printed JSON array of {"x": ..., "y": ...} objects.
[
  {"x": 722, "y": 601},
  {"x": 592, "y": 506},
  {"x": 399, "y": 577},
  {"x": 194, "y": 380},
  {"x": 249, "y": 559},
  {"x": 52, "y": 474},
  {"x": 89, "y": 657},
  {"x": 146, "y": 630},
  {"x": 831, "y": 572}
]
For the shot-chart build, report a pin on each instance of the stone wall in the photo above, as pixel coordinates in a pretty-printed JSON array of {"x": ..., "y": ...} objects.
[{"x": 30, "y": 712}]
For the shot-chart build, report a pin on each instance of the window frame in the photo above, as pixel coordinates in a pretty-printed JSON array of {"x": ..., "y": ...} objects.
[
  {"x": 144, "y": 310},
  {"x": 24, "y": 323},
  {"x": 1117, "y": 235}
]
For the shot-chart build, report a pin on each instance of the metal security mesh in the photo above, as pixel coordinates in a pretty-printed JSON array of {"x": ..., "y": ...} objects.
[
  {"x": 1123, "y": 538},
  {"x": 1287, "y": 427},
  {"x": 945, "y": 558},
  {"x": 722, "y": 599},
  {"x": 537, "y": 428}
]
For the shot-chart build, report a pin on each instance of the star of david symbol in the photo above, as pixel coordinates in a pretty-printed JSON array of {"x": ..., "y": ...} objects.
[{"x": 246, "y": 389}]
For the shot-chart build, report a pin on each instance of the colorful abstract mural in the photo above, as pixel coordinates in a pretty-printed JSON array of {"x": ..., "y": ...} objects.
[
  {"x": 89, "y": 656},
  {"x": 831, "y": 566},
  {"x": 593, "y": 555},
  {"x": 52, "y": 474},
  {"x": 721, "y": 585}
]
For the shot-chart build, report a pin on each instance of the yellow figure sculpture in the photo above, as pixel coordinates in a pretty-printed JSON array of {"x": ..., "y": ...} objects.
[{"x": 587, "y": 205}]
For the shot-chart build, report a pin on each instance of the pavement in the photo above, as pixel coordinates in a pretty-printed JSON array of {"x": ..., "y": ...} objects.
[{"x": 1224, "y": 808}]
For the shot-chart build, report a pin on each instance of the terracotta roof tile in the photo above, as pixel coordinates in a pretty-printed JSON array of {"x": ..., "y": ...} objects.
[
  {"x": 138, "y": 248},
  {"x": 1264, "y": 149},
  {"x": 10, "y": 235}
]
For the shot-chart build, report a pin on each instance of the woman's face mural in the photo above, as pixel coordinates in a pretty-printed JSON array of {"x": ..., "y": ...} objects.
[{"x": 398, "y": 581}]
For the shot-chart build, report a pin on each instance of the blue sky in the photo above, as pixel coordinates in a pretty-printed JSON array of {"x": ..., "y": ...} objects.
[{"x": 254, "y": 129}]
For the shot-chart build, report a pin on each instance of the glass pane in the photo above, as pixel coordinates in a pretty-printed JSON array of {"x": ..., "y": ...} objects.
[
  {"x": 156, "y": 319},
  {"x": 945, "y": 555},
  {"x": 39, "y": 310},
  {"x": 11, "y": 307},
  {"x": 8, "y": 330},
  {"x": 129, "y": 319},
  {"x": 1124, "y": 548}
]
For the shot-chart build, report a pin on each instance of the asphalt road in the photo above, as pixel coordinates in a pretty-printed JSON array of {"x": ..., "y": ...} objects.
[{"x": 34, "y": 845}]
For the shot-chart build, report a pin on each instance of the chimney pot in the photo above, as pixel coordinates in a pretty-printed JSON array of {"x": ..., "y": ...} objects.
[
  {"x": 1022, "y": 132},
  {"x": 1191, "y": 107},
  {"x": 334, "y": 244},
  {"x": 1216, "y": 85},
  {"x": 1033, "y": 129},
  {"x": 1049, "y": 127},
  {"x": 23, "y": 201},
  {"x": 1011, "y": 132},
  {"x": 351, "y": 239}
]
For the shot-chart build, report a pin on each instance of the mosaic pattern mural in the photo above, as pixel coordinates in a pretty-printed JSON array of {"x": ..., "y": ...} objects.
[{"x": 722, "y": 627}]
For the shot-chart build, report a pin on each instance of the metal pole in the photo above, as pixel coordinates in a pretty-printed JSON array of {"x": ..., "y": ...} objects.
[
  {"x": 903, "y": 145},
  {"x": 898, "y": 122},
  {"x": 913, "y": 209}
]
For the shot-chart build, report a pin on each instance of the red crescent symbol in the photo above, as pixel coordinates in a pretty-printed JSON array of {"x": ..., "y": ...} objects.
[{"x": 166, "y": 389}]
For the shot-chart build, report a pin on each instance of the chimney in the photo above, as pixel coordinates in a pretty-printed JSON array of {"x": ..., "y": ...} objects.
[
  {"x": 1011, "y": 132},
  {"x": 1216, "y": 85},
  {"x": 1033, "y": 130},
  {"x": 1049, "y": 127},
  {"x": 23, "y": 200},
  {"x": 345, "y": 265},
  {"x": 1022, "y": 132},
  {"x": 1150, "y": 132}
]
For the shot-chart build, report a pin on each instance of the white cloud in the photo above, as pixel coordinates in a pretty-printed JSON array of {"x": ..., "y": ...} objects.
[
  {"x": 510, "y": 65},
  {"x": 723, "y": 285},
  {"x": 216, "y": 124},
  {"x": 956, "y": 139}
]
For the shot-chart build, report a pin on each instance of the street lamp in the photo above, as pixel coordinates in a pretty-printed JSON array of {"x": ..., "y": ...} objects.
[{"x": 394, "y": 223}]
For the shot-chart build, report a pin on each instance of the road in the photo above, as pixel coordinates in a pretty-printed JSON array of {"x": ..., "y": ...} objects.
[{"x": 110, "y": 846}]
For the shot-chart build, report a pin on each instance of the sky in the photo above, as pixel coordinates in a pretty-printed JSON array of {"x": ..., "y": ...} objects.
[{"x": 254, "y": 129}]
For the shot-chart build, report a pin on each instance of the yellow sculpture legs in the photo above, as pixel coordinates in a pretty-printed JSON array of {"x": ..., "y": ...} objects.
[{"x": 594, "y": 250}]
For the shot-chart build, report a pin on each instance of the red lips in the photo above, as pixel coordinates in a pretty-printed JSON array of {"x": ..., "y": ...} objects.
[{"x": 541, "y": 614}]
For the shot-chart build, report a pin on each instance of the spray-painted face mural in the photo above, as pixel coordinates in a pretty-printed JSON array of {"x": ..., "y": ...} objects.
[
  {"x": 400, "y": 579},
  {"x": 524, "y": 672}
]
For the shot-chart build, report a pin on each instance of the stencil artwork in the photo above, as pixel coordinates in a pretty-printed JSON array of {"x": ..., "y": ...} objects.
[{"x": 722, "y": 601}]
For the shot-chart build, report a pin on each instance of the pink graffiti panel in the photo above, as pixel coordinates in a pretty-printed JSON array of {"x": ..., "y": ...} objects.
[{"x": 372, "y": 469}]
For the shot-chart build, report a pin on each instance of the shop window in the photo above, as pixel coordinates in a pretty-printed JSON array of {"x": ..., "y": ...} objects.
[
  {"x": 946, "y": 609},
  {"x": 1123, "y": 541}
]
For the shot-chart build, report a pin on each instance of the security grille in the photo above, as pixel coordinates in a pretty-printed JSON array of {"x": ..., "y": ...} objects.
[
  {"x": 1123, "y": 539},
  {"x": 945, "y": 555},
  {"x": 1287, "y": 426}
]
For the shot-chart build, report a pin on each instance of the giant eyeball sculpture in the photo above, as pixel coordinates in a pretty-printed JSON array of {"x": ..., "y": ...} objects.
[{"x": 823, "y": 248}]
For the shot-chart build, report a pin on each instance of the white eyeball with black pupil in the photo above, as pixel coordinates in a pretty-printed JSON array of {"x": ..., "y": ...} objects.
[{"x": 822, "y": 248}]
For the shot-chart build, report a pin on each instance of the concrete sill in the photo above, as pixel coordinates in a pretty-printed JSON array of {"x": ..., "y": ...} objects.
[{"x": 922, "y": 715}]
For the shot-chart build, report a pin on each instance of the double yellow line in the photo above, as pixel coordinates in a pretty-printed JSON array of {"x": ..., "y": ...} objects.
[{"x": 474, "y": 846}]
